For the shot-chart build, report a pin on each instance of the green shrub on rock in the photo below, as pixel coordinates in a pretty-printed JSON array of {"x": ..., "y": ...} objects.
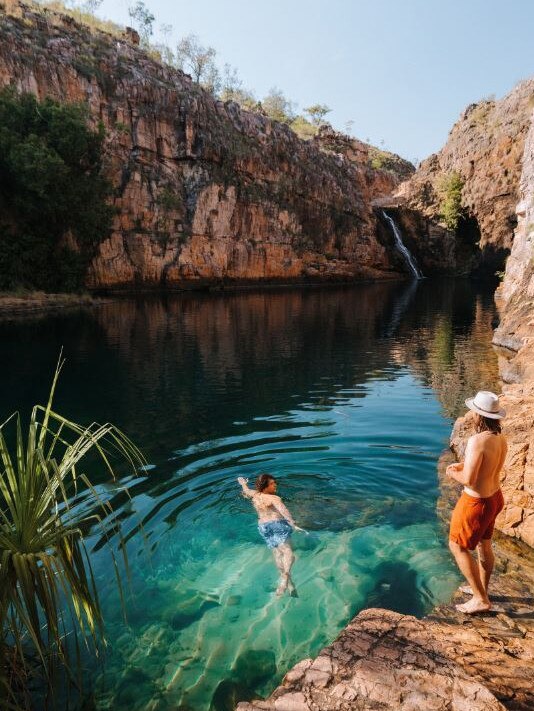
[
  {"x": 54, "y": 206},
  {"x": 450, "y": 191}
]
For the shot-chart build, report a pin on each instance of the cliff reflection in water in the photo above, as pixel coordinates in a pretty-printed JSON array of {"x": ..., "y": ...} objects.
[
  {"x": 185, "y": 369},
  {"x": 183, "y": 352}
]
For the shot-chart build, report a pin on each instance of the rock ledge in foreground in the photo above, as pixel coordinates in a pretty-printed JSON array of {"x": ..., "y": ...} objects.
[{"x": 385, "y": 660}]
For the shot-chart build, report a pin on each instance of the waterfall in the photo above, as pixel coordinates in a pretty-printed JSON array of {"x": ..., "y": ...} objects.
[{"x": 403, "y": 249}]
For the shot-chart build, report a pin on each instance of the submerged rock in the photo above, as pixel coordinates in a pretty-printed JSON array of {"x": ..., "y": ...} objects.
[
  {"x": 255, "y": 666},
  {"x": 228, "y": 694},
  {"x": 191, "y": 612}
]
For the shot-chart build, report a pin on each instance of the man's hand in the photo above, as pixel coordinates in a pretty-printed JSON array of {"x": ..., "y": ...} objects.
[
  {"x": 242, "y": 480},
  {"x": 298, "y": 528},
  {"x": 453, "y": 469}
]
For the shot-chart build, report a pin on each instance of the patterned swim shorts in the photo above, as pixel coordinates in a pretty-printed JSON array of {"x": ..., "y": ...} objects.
[{"x": 274, "y": 533}]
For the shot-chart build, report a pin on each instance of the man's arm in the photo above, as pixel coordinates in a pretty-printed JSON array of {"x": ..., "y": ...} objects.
[
  {"x": 467, "y": 473},
  {"x": 247, "y": 491},
  {"x": 282, "y": 508}
]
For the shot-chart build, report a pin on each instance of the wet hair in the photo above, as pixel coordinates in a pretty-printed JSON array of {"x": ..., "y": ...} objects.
[
  {"x": 263, "y": 481},
  {"x": 487, "y": 424}
]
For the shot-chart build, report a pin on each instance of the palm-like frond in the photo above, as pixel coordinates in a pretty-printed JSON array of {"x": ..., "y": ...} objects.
[{"x": 47, "y": 588}]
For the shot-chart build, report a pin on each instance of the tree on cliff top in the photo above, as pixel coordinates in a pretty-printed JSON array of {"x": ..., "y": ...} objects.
[
  {"x": 317, "y": 112},
  {"x": 199, "y": 61},
  {"x": 278, "y": 107},
  {"x": 143, "y": 20},
  {"x": 53, "y": 198}
]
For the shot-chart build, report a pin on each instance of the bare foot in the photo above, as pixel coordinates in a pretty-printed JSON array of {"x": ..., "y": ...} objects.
[{"x": 473, "y": 606}]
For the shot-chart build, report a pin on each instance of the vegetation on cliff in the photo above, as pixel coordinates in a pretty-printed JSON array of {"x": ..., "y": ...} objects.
[
  {"x": 200, "y": 61},
  {"x": 450, "y": 191},
  {"x": 203, "y": 190},
  {"x": 53, "y": 198},
  {"x": 472, "y": 184}
]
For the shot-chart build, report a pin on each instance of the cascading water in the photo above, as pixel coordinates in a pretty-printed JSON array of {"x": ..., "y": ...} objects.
[{"x": 403, "y": 249}]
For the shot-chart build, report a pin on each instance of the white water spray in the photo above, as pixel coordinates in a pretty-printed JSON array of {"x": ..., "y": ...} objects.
[{"x": 403, "y": 249}]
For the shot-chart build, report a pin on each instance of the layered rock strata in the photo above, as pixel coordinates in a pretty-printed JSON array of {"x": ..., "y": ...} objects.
[
  {"x": 485, "y": 148},
  {"x": 205, "y": 192},
  {"x": 515, "y": 299},
  {"x": 381, "y": 660}
]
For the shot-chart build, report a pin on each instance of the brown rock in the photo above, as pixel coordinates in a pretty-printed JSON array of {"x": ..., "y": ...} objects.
[
  {"x": 132, "y": 35},
  {"x": 515, "y": 298},
  {"x": 206, "y": 192},
  {"x": 411, "y": 664},
  {"x": 485, "y": 147}
]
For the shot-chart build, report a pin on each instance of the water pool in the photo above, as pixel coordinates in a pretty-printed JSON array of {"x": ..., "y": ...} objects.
[{"x": 347, "y": 395}]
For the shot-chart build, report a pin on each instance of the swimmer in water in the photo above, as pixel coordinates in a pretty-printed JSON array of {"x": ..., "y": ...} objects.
[{"x": 275, "y": 525}]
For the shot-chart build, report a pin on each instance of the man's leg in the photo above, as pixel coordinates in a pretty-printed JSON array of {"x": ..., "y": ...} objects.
[
  {"x": 469, "y": 569},
  {"x": 486, "y": 561},
  {"x": 281, "y": 565},
  {"x": 287, "y": 558}
]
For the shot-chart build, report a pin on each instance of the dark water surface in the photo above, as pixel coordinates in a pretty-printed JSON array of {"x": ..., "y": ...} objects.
[{"x": 346, "y": 394}]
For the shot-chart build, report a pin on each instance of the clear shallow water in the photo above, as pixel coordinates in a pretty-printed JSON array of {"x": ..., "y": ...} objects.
[{"x": 347, "y": 395}]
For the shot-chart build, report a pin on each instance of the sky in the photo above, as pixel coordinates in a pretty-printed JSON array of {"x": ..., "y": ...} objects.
[{"x": 401, "y": 70}]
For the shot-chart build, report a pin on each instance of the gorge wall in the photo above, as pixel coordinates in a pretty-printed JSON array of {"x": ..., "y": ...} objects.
[
  {"x": 515, "y": 299},
  {"x": 485, "y": 149},
  {"x": 205, "y": 192}
]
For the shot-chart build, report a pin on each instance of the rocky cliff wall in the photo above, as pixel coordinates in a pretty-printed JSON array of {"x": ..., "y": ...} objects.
[
  {"x": 515, "y": 299},
  {"x": 485, "y": 148},
  {"x": 205, "y": 191}
]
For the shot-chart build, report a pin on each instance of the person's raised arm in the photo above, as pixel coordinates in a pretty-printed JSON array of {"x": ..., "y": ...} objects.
[
  {"x": 468, "y": 473},
  {"x": 247, "y": 491}
]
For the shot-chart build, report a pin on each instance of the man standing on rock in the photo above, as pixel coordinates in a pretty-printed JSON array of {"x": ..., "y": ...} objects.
[{"x": 474, "y": 515}]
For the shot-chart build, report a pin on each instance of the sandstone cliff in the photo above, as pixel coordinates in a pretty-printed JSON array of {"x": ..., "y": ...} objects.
[
  {"x": 485, "y": 148},
  {"x": 205, "y": 191},
  {"x": 515, "y": 298}
]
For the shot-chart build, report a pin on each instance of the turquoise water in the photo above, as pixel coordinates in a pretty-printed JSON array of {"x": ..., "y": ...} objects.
[{"x": 346, "y": 395}]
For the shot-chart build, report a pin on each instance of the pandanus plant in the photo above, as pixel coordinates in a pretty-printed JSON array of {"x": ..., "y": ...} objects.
[{"x": 49, "y": 605}]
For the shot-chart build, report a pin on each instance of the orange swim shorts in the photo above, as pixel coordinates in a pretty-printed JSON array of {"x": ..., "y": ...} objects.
[{"x": 473, "y": 519}]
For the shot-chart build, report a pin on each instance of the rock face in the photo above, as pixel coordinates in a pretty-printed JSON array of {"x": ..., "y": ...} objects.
[
  {"x": 205, "y": 191},
  {"x": 485, "y": 147},
  {"x": 384, "y": 660},
  {"x": 381, "y": 660},
  {"x": 515, "y": 299}
]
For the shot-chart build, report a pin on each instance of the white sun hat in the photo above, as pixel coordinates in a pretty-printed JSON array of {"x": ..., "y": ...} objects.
[{"x": 486, "y": 404}]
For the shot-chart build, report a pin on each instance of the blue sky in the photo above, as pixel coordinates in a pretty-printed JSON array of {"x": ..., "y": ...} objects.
[{"x": 402, "y": 70}]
